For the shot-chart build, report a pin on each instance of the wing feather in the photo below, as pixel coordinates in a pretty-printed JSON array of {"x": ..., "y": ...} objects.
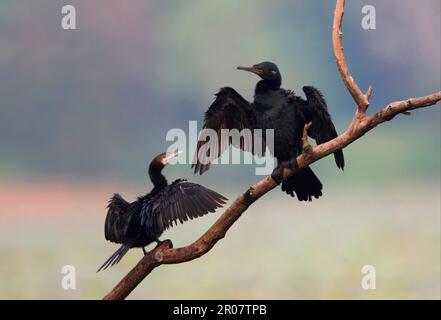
[
  {"x": 182, "y": 201},
  {"x": 117, "y": 219},
  {"x": 228, "y": 111},
  {"x": 322, "y": 129}
]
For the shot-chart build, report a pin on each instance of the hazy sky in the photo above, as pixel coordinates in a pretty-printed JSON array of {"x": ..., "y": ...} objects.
[{"x": 99, "y": 100}]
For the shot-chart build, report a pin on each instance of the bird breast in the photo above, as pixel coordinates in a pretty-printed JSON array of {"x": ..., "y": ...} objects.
[{"x": 279, "y": 114}]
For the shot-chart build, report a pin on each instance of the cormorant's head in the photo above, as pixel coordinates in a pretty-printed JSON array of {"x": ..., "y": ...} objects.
[
  {"x": 266, "y": 70},
  {"x": 163, "y": 159},
  {"x": 156, "y": 166},
  {"x": 166, "y": 157}
]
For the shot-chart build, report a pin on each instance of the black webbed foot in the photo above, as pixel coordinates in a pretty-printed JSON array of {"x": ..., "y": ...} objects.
[
  {"x": 277, "y": 174},
  {"x": 292, "y": 164},
  {"x": 158, "y": 243}
]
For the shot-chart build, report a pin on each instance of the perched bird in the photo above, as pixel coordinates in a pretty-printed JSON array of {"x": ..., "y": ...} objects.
[
  {"x": 142, "y": 222},
  {"x": 278, "y": 109}
]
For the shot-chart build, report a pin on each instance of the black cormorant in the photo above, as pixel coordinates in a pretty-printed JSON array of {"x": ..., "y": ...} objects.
[
  {"x": 142, "y": 222},
  {"x": 278, "y": 109}
]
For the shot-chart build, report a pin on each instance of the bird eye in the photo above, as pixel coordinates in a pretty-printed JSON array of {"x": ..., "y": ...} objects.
[{"x": 273, "y": 71}]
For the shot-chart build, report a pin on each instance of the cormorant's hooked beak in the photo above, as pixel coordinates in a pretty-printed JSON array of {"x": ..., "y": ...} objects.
[
  {"x": 257, "y": 71},
  {"x": 169, "y": 156}
]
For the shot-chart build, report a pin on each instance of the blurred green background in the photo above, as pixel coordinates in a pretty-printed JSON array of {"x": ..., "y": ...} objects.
[{"x": 83, "y": 112}]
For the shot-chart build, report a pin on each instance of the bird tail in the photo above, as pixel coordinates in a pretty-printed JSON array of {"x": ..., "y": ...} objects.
[
  {"x": 304, "y": 183},
  {"x": 115, "y": 258}
]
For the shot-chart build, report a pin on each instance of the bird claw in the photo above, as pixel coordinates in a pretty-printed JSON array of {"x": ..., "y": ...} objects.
[
  {"x": 292, "y": 164},
  {"x": 158, "y": 243},
  {"x": 277, "y": 173}
]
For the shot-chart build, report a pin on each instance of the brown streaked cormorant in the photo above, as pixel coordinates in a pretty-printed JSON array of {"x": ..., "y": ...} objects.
[
  {"x": 142, "y": 222},
  {"x": 278, "y": 109}
]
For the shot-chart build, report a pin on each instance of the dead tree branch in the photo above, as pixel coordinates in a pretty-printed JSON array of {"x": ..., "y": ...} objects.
[{"x": 361, "y": 123}]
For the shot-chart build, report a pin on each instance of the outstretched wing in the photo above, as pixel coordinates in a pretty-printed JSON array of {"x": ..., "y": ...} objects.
[
  {"x": 228, "y": 111},
  {"x": 117, "y": 219},
  {"x": 322, "y": 128},
  {"x": 181, "y": 201}
]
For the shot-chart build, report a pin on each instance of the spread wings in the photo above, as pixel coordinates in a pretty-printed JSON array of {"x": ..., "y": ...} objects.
[
  {"x": 179, "y": 201},
  {"x": 117, "y": 219},
  {"x": 322, "y": 128},
  {"x": 228, "y": 111}
]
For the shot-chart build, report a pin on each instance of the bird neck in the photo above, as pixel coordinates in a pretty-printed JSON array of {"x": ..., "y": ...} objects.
[
  {"x": 263, "y": 86},
  {"x": 158, "y": 179}
]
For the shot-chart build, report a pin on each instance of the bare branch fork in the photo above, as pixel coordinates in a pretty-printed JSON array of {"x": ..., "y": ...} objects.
[{"x": 361, "y": 123}]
